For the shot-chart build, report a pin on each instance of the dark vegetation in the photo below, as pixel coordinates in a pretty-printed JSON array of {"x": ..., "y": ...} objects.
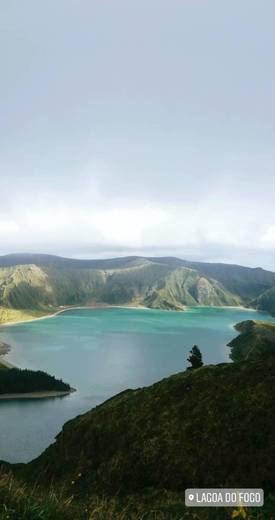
[
  {"x": 197, "y": 428},
  {"x": 195, "y": 358},
  {"x": 256, "y": 339},
  {"x": 132, "y": 457},
  {"x": 15, "y": 380},
  {"x": 18, "y": 501}
]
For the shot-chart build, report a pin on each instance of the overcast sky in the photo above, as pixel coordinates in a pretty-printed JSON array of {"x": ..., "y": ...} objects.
[{"x": 138, "y": 127}]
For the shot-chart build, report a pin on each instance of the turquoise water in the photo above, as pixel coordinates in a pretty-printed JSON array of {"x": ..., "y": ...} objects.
[{"x": 101, "y": 352}]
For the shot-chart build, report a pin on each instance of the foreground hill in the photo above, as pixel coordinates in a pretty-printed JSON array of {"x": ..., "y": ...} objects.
[
  {"x": 31, "y": 285},
  {"x": 199, "y": 428},
  {"x": 133, "y": 456},
  {"x": 256, "y": 339}
]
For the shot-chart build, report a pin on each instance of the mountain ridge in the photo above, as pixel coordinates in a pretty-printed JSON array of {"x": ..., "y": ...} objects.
[
  {"x": 44, "y": 258},
  {"x": 44, "y": 283}
]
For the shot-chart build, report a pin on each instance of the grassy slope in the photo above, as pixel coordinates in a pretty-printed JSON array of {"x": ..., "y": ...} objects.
[
  {"x": 248, "y": 283},
  {"x": 132, "y": 457},
  {"x": 266, "y": 301},
  {"x": 21, "y": 502},
  {"x": 8, "y": 315},
  {"x": 197, "y": 428},
  {"x": 256, "y": 338},
  {"x": 20, "y": 286}
]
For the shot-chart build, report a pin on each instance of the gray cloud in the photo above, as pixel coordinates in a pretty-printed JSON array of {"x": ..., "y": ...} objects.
[{"x": 138, "y": 127}]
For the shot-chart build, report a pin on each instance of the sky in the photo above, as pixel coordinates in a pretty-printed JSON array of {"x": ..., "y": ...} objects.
[{"x": 138, "y": 127}]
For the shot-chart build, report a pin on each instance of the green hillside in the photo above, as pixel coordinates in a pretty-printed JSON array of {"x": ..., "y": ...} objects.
[
  {"x": 42, "y": 283},
  {"x": 143, "y": 438},
  {"x": 185, "y": 286},
  {"x": 266, "y": 301},
  {"x": 142, "y": 448},
  {"x": 246, "y": 282},
  {"x": 256, "y": 339},
  {"x": 32, "y": 287}
]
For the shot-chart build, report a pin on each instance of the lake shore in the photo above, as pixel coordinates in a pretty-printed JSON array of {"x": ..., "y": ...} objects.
[
  {"x": 70, "y": 308},
  {"x": 107, "y": 306},
  {"x": 37, "y": 395},
  {"x": 102, "y": 353},
  {"x": 4, "y": 348}
]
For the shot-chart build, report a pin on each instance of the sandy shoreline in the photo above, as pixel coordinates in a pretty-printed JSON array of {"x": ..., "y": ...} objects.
[
  {"x": 70, "y": 308},
  {"x": 107, "y": 306},
  {"x": 37, "y": 395}
]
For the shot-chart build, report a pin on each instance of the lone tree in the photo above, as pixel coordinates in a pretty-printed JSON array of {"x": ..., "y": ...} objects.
[{"x": 195, "y": 358}]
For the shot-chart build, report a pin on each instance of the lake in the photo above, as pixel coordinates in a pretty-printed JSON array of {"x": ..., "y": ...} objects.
[{"x": 101, "y": 352}]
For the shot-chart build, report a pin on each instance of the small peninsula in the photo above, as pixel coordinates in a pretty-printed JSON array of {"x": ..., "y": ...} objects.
[
  {"x": 16, "y": 383},
  {"x": 256, "y": 339}
]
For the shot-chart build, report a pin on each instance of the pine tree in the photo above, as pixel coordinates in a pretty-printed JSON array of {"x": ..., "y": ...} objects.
[{"x": 195, "y": 357}]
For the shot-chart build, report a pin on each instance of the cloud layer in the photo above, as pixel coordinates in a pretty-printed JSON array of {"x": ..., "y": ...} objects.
[{"x": 138, "y": 128}]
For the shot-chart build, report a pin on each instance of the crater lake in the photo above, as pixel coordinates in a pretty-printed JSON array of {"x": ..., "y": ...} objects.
[{"x": 101, "y": 352}]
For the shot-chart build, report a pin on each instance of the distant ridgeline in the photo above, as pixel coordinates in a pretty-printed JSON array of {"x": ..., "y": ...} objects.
[
  {"x": 31, "y": 285},
  {"x": 16, "y": 381}
]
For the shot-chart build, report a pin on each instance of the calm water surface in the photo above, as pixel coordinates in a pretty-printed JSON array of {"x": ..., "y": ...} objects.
[{"x": 101, "y": 352}]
